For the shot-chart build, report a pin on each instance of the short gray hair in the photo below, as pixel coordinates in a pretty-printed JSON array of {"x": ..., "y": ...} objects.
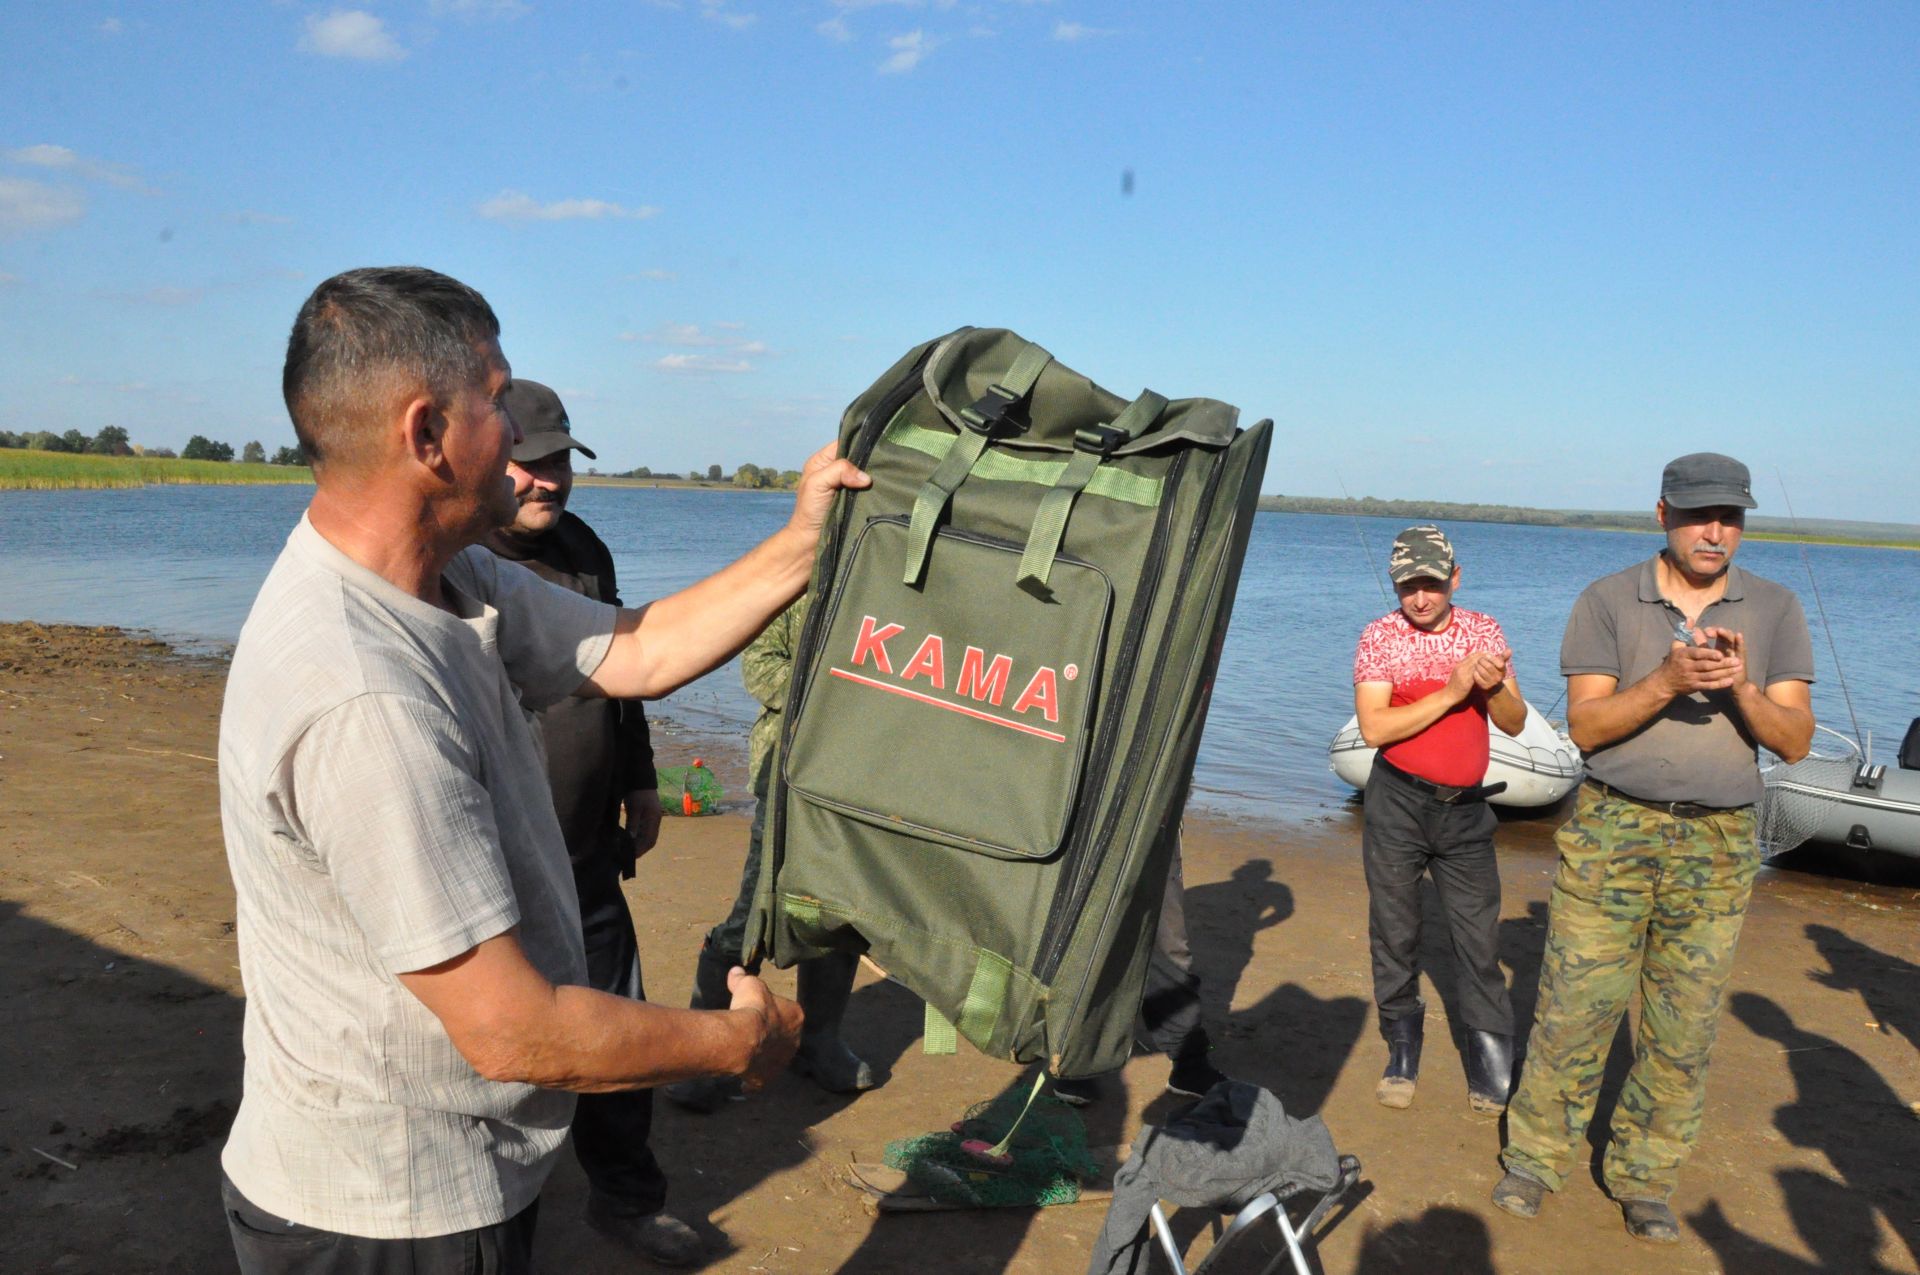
[{"x": 367, "y": 336}]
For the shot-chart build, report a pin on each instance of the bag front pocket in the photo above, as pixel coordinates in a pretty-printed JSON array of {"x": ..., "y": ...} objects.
[{"x": 957, "y": 710}]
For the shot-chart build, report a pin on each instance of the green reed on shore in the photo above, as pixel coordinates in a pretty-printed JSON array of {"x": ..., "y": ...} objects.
[{"x": 22, "y": 470}]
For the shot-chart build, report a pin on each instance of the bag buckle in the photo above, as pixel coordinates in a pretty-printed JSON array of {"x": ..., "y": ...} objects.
[
  {"x": 989, "y": 412},
  {"x": 1102, "y": 440}
]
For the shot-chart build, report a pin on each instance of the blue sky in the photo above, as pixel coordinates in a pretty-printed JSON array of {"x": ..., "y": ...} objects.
[{"x": 1516, "y": 253}]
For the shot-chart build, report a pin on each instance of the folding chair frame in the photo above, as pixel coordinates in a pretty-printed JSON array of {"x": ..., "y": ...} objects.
[{"x": 1265, "y": 1205}]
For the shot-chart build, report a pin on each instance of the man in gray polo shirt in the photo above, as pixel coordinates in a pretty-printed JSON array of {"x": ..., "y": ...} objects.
[
  {"x": 1676, "y": 668},
  {"x": 418, "y": 1016}
]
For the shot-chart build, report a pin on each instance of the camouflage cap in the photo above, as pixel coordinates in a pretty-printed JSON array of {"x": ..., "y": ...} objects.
[{"x": 1421, "y": 551}]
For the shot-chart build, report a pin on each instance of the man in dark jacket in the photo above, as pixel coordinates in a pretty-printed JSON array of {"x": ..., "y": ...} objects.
[{"x": 599, "y": 762}]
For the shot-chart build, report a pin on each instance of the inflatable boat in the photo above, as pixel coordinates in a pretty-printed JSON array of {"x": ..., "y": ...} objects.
[
  {"x": 1539, "y": 766},
  {"x": 1837, "y": 795}
]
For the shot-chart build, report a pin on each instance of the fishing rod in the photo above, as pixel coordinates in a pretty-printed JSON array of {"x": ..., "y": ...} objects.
[
  {"x": 1807, "y": 564},
  {"x": 1377, "y": 579}
]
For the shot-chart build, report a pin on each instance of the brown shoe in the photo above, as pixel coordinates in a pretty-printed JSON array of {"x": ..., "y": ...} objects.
[{"x": 659, "y": 1237}]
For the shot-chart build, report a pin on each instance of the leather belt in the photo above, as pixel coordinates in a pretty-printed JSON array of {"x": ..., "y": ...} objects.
[
  {"x": 1678, "y": 809},
  {"x": 1441, "y": 793}
]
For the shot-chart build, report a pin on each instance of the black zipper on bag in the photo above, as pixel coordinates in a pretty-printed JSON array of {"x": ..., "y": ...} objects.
[
  {"x": 1067, "y": 905},
  {"x": 1058, "y": 916}
]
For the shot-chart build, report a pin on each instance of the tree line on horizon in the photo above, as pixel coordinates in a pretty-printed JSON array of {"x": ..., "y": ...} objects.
[
  {"x": 769, "y": 477},
  {"x": 112, "y": 440},
  {"x": 1372, "y": 507}
]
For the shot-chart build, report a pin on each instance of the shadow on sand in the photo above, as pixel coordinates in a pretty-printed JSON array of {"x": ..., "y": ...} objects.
[
  {"x": 128, "y": 1070},
  {"x": 1871, "y": 1151}
]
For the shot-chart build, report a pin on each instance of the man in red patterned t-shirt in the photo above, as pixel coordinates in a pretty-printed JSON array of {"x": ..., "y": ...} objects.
[{"x": 1425, "y": 680}]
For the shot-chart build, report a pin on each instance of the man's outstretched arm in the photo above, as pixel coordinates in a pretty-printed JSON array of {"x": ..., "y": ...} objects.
[{"x": 662, "y": 646}]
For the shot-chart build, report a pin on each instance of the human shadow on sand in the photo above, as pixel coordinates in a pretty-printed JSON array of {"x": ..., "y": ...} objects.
[
  {"x": 1885, "y": 982},
  {"x": 1846, "y": 1111},
  {"x": 1418, "y": 1245},
  {"x": 129, "y": 1072}
]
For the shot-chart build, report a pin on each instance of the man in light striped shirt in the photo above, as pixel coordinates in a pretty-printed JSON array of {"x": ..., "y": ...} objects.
[{"x": 417, "y": 1015}]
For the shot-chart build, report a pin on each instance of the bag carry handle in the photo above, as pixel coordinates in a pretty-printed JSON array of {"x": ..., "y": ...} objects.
[
  {"x": 982, "y": 420},
  {"x": 1091, "y": 447}
]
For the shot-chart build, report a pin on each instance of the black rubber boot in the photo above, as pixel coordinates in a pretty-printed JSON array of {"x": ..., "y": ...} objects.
[
  {"x": 825, "y": 986},
  {"x": 1489, "y": 1060},
  {"x": 707, "y": 1094},
  {"x": 1404, "y": 1038}
]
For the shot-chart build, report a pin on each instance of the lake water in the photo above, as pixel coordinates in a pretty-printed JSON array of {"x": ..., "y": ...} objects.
[{"x": 186, "y": 561}]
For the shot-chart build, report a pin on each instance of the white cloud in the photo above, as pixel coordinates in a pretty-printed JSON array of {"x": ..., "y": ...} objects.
[
  {"x": 908, "y": 52},
  {"x": 252, "y": 217},
  {"x": 111, "y": 26},
  {"x": 27, "y": 205},
  {"x": 483, "y": 9},
  {"x": 692, "y": 336},
  {"x": 835, "y": 28},
  {"x": 65, "y": 160},
  {"x": 1074, "y": 32},
  {"x": 655, "y": 275},
  {"x": 351, "y": 33},
  {"x": 717, "y": 11},
  {"x": 701, "y": 363},
  {"x": 513, "y": 205}
]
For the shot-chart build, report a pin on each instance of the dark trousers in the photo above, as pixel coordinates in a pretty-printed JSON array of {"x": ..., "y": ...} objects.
[
  {"x": 610, "y": 1130},
  {"x": 1170, "y": 1006},
  {"x": 1408, "y": 834},
  {"x": 269, "y": 1245}
]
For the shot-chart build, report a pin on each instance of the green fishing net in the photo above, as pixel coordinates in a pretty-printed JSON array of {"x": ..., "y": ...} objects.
[
  {"x": 688, "y": 790},
  {"x": 1046, "y": 1159}
]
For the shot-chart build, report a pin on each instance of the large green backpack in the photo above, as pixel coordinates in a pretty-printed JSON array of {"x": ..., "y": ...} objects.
[{"x": 1000, "y": 688}]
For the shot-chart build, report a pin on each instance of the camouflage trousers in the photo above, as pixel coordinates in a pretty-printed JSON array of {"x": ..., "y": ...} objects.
[{"x": 1642, "y": 899}]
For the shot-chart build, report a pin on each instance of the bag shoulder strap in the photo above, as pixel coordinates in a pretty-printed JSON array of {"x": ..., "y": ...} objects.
[
  {"x": 982, "y": 420},
  {"x": 1092, "y": 447}
]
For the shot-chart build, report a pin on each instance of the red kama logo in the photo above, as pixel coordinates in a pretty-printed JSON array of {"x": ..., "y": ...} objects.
[{"x": 978, "y": 678}]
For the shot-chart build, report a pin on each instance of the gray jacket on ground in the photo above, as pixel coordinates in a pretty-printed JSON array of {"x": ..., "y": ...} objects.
[{"x": 1232, "y": 1146}]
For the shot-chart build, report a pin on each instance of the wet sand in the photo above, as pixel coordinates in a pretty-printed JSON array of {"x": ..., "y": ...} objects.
[{"x": 124, "y": 1002}]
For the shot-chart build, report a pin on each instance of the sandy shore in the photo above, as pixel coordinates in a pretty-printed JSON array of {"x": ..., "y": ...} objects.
[{"x": 124, "y": 1002}]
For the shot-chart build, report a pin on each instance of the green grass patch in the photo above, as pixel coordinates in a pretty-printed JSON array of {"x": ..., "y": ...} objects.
[{"x": 22, "y": 470}]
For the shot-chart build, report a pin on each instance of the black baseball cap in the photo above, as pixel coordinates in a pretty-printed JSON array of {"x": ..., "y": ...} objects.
[
  {"x": 1702, "y": 480},
  {"x": 543, "y": 423}
]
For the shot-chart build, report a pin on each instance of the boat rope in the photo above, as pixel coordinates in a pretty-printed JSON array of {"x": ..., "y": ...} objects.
[
  {"x": 1357, "y": 535},
  {"x": 1807, "y": 563}
]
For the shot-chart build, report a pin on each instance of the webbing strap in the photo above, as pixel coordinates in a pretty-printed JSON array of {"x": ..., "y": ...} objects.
[
  {"x": 982, "y": 419},
  {"x": 933, "y": 498},
  {"x": 1004, "y": 467},
  {"x": 1018, "y": 382},
  {"x": 1050, "y": 522},
  {"x": 1092, "y": 447},
  {"x": 986, "y": 996},
  {"x": 1039, "y": 1082},
  {"x": 805, "y": 911},
  {"x": 937, "y": 1035},
  {"x": 979, "y": 1013}
]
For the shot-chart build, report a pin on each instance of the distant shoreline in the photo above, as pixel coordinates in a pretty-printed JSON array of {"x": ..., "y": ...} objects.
[
  {"x": 22, "y": 470},
  {"x": 1819, "y": 531}
]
